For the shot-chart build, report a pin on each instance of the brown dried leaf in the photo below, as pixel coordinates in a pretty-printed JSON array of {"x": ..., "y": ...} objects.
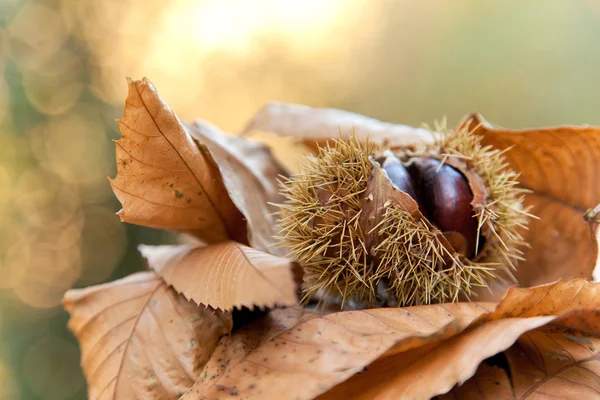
[
  {"x": 315, "y": 126},
  {"x": 296, "y": 354},
  {"x": 560, "y": 360},
  {"x": 250, "y": 174},
  {"x": 139, "y": 339},
  {"x": 225, "y": 275},
  {"x": 561, "y": 166},
  {"x": 488, "y": 383},
  {"x": 408, "y": 374},
  {"x": 165, "y": 179}
]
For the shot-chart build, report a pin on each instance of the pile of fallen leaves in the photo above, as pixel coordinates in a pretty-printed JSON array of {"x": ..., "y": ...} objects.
[{"x": 220, "y": 319}]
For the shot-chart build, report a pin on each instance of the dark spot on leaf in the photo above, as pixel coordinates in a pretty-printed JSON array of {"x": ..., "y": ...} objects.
[{"x": 178, "y": 194}]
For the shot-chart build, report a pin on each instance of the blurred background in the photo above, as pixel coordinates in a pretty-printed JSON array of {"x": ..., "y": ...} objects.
[{"x": 62, "y": 84}]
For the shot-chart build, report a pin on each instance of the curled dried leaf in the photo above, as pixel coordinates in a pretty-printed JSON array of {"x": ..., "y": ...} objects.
[
  {"x": 164, "y": 178},
  {"x": 249, "y": 172},
  {"x": 139, "y": 339},
  {"x": 559, "y": 360},
  {"x": 296, "y": 354},
  {"x": 316, "y": 126},
  {"x": 453, "y": 361},
  {"x": 225, "y": 275},
  {"x": 560, "y": 166}
]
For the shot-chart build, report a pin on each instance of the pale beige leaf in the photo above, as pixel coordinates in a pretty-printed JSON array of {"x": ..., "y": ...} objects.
[
  {"x": 407, "y": 374},
  {"x": 164, "y": 178},
  {"x": 225, "y": 275},
  {"x": 560, "y": 165},
  {"x": 139, "y": 339},
  {"x": 294, "y": 355},
  {"x": 318, "y": 125},
  {"x": 250, "y": 174}
]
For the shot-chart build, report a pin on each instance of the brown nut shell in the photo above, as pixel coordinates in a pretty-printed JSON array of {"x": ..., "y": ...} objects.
[{"x": 447, "y": 199}]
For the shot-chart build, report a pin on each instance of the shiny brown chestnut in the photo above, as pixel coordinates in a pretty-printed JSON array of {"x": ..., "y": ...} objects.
[{"x": 443, "y": 195}]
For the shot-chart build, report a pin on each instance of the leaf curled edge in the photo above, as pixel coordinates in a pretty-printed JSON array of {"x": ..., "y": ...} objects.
[
  {"x": 296, "y": 354},
  {"x": 250, "y": 174},
  {"x": 163, "y": 179},
  {"x": 455, "y": 360},
  {"x": 560, "y": 165},
  {"x": 559, "y": 360},
  {"x": 139, "y": 339},
  {"x": 315, "y": 126},
  {"x": 225, "y": 275}
]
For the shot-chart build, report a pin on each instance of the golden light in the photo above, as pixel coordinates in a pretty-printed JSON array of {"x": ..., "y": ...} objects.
[
  {"x": 73, "y": 146},
  {"x": 36, "y": 33},
  {"x": 236, "y": 25},
  {"x": 55, "y": 86},
  {"x": 43, "y": 200}
]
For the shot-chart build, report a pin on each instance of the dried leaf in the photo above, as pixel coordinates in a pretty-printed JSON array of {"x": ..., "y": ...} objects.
[
  {"x": 293, "y": 354},
  {"x": 549, "y": 299},
  {"x": 165, "y": 179},
  {"x": 139, "y": 339},
  {"x": 315, "y": 126},
  {"x": 560, "y": 166},
  {"x": 408, "y": 374},
  {"x": 225, "y": 275},
  {"x": 488, "y": 383},
  {"x": 560, "y": 360},
  {"x": 249, "y": 173}
]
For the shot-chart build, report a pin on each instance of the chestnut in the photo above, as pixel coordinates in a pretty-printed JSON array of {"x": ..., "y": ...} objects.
[{"x": 447, "y": 198}]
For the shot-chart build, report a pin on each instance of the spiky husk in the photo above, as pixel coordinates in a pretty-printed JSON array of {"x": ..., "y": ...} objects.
[
  {"x": 503, "y": 216},
  {"x": 319, "y": 223},
  {"x": 416, "y": 267},
  {"x": 320, "y": 220}
]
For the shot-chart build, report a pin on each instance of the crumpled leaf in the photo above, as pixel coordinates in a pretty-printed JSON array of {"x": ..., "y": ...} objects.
[
  {"x": 250, "y": 173},
  {"x": 408, "y": 374},
  {"x": 560, "y": 360},
  {"x": 225, "y": 275},
  {"x": 488, "y": 383},
  {"x": 165, "y": 179},
  {"x": 139, "y": 339},
  {"x": 315, "y": 126},
  {"x": 560, "y": 166},
  {"x": 296, "y": 354}
]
